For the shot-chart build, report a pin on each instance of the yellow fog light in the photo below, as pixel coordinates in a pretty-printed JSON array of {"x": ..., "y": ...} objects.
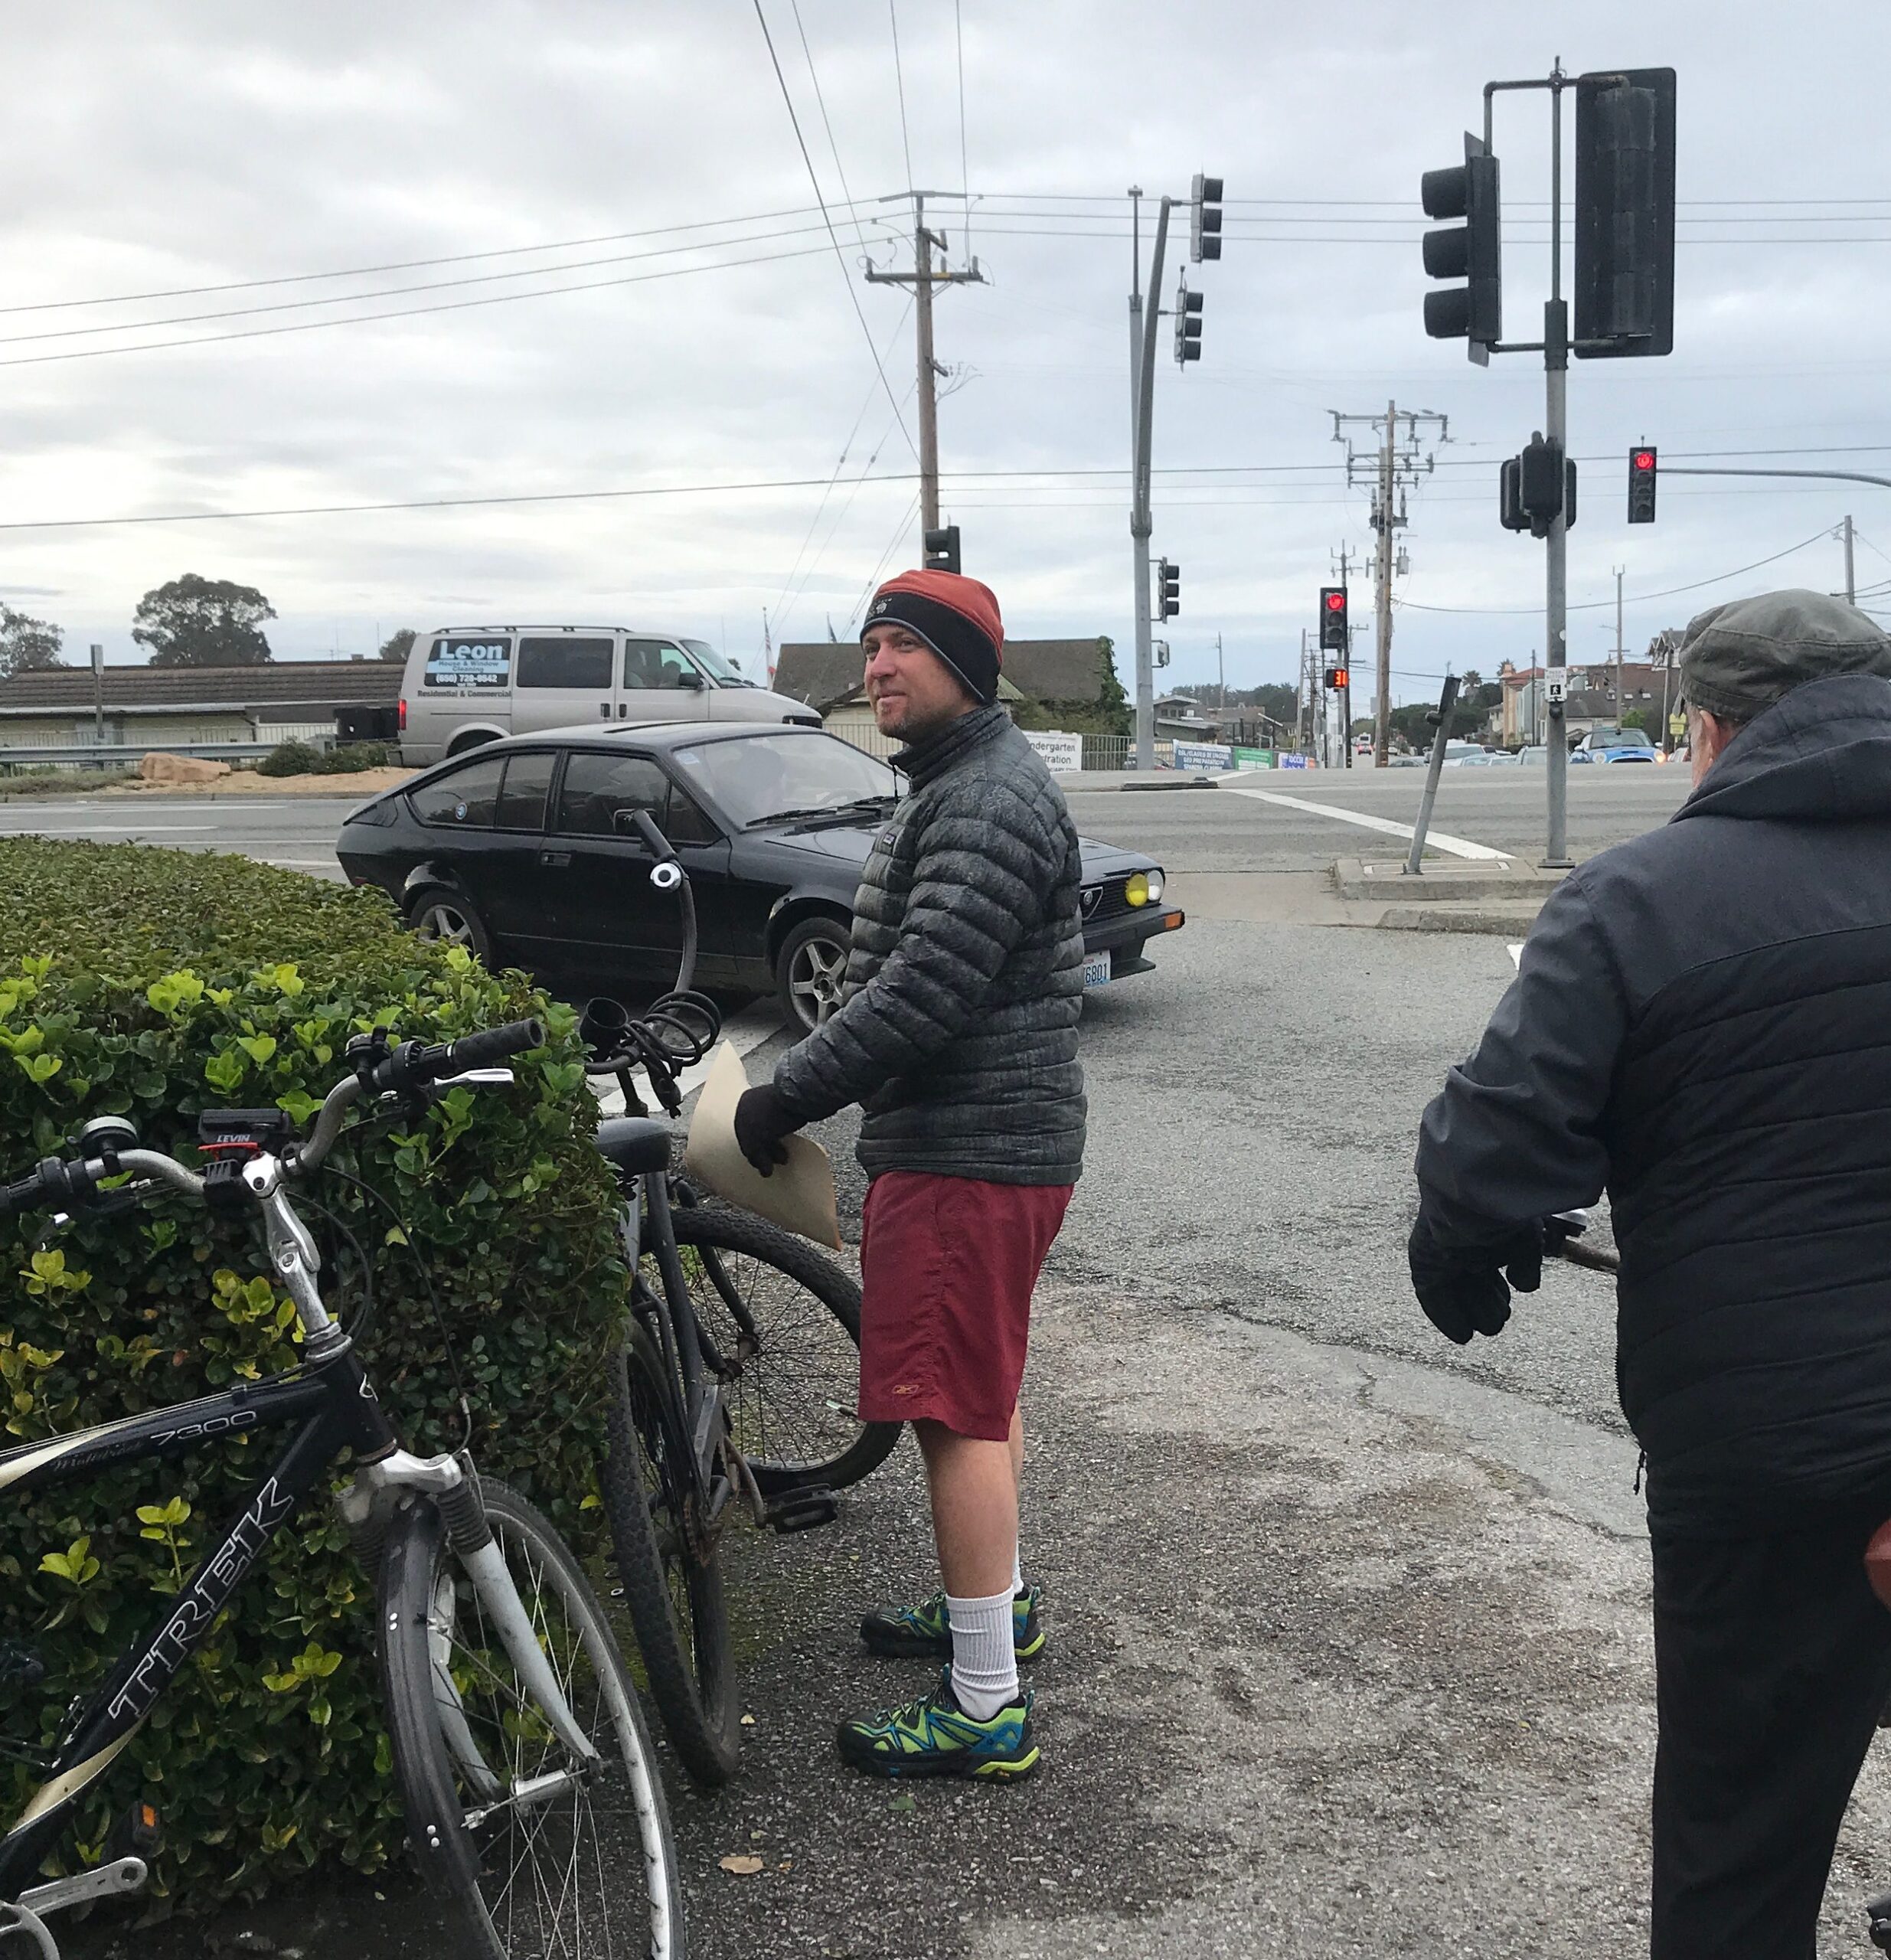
[{"x": 1136, "y": 889}]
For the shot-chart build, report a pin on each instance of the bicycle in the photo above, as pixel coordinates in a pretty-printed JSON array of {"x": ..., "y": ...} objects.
[
  {"x": 521, "y": 1757},
  {"x": 721, "y": 1393}
]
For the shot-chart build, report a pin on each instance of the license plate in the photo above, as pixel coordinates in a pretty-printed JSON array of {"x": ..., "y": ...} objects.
[{"x": 1096, "y": 970}]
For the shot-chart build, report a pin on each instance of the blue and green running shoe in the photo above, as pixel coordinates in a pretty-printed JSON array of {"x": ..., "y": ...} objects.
[
  {"x": 934, "y": 1736},
  {"x": 923, "y": 1632}
]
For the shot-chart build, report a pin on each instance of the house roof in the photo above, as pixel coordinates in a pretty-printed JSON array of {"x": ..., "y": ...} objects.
[
  {"x": 823, "y": 672},
  {"x": 317, "y": 684}
]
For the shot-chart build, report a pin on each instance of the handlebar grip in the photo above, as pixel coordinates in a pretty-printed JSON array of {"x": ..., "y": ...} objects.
[
  {"x": 22, "y": 1196},
  {"x": 50, "y": 1182},
  {"x": 647, "y": 829},
  {"x": 492, "y": 1044}
]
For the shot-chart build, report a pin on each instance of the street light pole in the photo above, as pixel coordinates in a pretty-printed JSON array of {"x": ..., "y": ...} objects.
[{"x": 1142, "y": 402}]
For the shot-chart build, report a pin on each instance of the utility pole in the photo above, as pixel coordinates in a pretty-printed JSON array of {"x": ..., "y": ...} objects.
[
  {"x": 1851, "y": 590},
  {"x": 1302, "y": 721},
  {"x": 1346, "y": 693},
  {"x": 1619, "y": 572},
  {"x": 1221, "y": 677},
  {"x": 1395, "y": 468},
  {"x": 923, "y": 280}
]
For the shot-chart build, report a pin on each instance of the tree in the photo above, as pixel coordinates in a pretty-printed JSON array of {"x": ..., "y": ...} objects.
[
  {"x": 1635, "y": 718},
  {"x": 26, "y": 645},
  {"x": 197, "y": 622},
  {"x": 397, "y": 646}
]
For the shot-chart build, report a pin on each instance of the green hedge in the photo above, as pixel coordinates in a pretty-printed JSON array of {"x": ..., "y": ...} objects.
[
  {"x": 304, "y": 759},
  {"x": 154, "y": 983}
]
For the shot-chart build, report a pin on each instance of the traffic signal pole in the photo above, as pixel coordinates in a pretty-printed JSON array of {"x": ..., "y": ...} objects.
[{"x": 1142, "y": 329}]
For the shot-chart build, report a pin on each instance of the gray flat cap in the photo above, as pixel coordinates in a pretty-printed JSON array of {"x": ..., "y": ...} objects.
[{"x": 1737, "y": 659}]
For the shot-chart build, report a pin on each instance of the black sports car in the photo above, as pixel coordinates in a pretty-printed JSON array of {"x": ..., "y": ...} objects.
[{"x": 526, "y": 851}]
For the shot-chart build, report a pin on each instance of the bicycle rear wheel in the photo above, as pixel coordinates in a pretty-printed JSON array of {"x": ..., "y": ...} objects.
[
  {"x": 786, "y": 1319},
  {"x": 671, "y": 1580},
  {"x": 538, "y": 1854}
]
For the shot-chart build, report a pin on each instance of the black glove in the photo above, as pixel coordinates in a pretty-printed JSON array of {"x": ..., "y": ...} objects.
[
  {"x": 1462, "y": 1289},
  {"x": 762, "y": 1119}
]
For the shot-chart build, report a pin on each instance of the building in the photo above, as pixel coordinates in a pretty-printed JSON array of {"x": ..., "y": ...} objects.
[
  {"x": 1520, "y": 720},
  {"x": 319, "y": 701},
  {"x": 1056, "y": 682}
]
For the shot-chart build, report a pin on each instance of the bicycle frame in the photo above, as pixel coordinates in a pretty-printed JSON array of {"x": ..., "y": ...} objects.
[{"x": 332, "y": 1401}]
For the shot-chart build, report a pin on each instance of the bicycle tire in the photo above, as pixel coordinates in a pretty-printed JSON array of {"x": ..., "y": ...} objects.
[
  {"x": 439, "y": 1658},
  {"x": 792, "y": 1406},
  {"x": 673, "y": 1594}
]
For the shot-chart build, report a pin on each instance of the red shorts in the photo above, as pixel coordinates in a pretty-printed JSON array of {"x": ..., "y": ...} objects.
[{"x": 947, "y": 1267}]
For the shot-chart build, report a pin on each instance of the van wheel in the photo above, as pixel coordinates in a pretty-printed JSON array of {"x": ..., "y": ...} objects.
[
  {"x": 809, "y": 970},
  {"x": 464, "y": 744},
  {"x": 437, "y": 913}
]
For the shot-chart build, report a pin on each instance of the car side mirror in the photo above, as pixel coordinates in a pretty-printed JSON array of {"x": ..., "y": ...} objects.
[
  {"x": 690, "y": 678},
  {"x": 625, "y": 823}
]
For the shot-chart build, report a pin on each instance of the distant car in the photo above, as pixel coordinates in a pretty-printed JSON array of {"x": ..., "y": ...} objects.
[
  {"x": 1457, "y": 754},
  {"x": 1608, "y": 744},
  {"x": 525, "y": 851},
  {"x": 1628, "y": 755},
  {"x": 1533, "y": 756},
  {"x": 1581, "y": 756}
]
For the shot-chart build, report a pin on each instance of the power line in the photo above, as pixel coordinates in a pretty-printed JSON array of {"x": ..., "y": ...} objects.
[
  {"x": 964, "y": 174},
  {"x": 899, "y": 77},
  {"x": 404, "y": 313},
  {"x": 821, "y": 102},
  {"x": 1639, "y": 598},
  {"x": 846, "y": 277}
]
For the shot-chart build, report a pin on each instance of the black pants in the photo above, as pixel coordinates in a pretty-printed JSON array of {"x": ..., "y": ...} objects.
[{"x": 1772, "y": 1663}]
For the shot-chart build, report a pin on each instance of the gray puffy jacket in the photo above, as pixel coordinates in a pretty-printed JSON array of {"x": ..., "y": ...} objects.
[{"x": 958, "y": 1031}]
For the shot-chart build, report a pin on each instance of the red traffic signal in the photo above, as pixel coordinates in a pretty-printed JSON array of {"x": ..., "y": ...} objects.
[
  {"x": 1642, "y": 463},
  {"x": 1333, "y": 633}
]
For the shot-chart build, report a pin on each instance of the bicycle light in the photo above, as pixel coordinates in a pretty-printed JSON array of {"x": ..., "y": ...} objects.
[{"x": 666, "y": 876}]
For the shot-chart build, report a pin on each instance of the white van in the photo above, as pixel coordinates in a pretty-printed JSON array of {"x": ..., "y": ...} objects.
[{"x": 465, "y": 686}]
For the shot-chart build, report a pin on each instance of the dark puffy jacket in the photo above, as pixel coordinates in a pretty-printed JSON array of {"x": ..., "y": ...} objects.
[
  {"x": 958, "y": 1031},
  {"x": 1702, "y": 1024}
]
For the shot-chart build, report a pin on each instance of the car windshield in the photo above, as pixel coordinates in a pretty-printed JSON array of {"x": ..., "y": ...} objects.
[
  {"x": 719, "y": 670},
  {"x": 753, "y": 778},
  {"x": 1620, "y": 738}
]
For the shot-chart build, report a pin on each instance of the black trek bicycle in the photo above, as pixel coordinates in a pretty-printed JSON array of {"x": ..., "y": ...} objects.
[
  {"x": 738, "y": 1382},
  {"x": 533, "y": 1805}
]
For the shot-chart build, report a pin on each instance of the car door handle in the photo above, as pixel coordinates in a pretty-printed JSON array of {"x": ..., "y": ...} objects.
[{"x": 555, "y": 858}]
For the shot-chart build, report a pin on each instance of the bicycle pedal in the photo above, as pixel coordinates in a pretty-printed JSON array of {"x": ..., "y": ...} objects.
[
  {"x": 1878, "y": 1922},
  {"x": 802, "y": 1510},
  {"x": 138, "y": 1833}
]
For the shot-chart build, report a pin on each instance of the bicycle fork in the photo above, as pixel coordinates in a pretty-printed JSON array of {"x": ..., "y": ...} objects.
[{"x": 454, "y": 1486}]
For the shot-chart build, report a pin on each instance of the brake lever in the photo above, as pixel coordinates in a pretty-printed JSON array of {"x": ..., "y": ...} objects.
[{"x": 475, "y": 1079}]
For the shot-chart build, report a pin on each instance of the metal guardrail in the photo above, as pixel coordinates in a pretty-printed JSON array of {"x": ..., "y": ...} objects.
[{"x": 88, "y": 755}]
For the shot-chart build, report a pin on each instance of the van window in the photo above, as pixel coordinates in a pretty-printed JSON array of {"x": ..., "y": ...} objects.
[
  {"x": 528, "y": 783},
  {"x": 654, "y": 663},
  {"x": 464, "y": 798},
  {"x": 469, "y": 664},
  {"x": 565, "y": 662}
]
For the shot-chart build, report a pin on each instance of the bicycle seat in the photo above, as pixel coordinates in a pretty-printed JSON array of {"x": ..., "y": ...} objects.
[{"x": 634, "y": 1143}]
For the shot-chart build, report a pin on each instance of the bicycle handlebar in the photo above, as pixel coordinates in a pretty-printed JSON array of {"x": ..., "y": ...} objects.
[
  {"x": 661, "y": 847},
  {"x": 413, "y": 1065}
]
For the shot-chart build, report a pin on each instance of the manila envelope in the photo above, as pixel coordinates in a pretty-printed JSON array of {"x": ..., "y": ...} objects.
[{"x": 798, "y": 1196}]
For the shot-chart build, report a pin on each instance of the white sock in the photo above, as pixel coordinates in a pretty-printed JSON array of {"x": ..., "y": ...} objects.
[
  {"x": 984, "y": 1663},
  {"x": 1017, "y": 1572}
]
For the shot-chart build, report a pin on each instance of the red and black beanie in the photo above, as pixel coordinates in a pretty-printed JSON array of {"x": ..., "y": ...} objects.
[{"x": 957, "y": 617}]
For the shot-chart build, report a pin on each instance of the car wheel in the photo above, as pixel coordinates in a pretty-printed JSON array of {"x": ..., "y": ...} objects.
[
  {"x": 809, "y": 970},
  {"x": 464, "y": 745},
  {"x": 437, "y": 913}
]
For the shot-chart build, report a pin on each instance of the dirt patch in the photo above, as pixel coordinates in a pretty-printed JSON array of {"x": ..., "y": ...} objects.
[{"x": 247, "y": 783}]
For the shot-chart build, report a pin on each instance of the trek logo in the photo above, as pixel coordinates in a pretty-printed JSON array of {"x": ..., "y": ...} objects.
[{"x": 203, "y": 1602}]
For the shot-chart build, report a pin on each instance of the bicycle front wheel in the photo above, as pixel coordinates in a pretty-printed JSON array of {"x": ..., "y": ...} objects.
[
  {"x": 537, "y": 1852},
  {"x": 786, "y": 1321}
]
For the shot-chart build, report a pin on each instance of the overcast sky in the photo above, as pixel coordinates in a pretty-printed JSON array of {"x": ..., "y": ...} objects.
[{"x": 148, "y": 149}]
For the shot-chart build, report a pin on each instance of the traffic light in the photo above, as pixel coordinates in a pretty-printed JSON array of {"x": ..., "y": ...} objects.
[
  {"x": 1338, "y": 677},
  {"x": 1624, "y": 213},
  {"x": 1168, "y": 589},
  {"x": 1473, "y": 312},
  {"x": 1187, "y": 326},
  {"x": 1334, "y": 637},
  {"x": 942, "y": 550},
  {"x": 1641, "y": 479},
  {"x": 1204, "y": 218},
  {"x": 1531, "y": 489}
]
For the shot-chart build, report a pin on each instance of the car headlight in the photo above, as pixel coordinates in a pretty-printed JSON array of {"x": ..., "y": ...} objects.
[
  {"x": 1136, "y": 888},
  {"x": 1153, "y": 881}
]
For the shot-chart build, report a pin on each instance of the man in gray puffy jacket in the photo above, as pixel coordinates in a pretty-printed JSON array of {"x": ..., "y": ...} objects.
[{"x": 958, "y": 1037}]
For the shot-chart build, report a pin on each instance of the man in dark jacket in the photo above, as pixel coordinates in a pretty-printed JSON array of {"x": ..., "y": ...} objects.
[
  {"x": 957, "y": 1034},
  {"x": 1701, "y": 1024}
]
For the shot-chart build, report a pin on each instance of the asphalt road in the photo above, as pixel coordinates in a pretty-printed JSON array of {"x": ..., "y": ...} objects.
[
  {"x": 1237, "y": 829},
  {"x": 1349, "y": 1646}
]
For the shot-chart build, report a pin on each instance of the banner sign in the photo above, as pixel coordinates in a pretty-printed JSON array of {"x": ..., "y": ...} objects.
[
  {"x": 1254, "y": 759},
  {"x": 1063, "y": 754},
  {"x": 1203, "y": 755}
]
